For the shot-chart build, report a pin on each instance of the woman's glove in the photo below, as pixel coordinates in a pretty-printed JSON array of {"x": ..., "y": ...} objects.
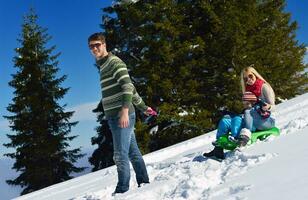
[{"x": 150, "y": 111}]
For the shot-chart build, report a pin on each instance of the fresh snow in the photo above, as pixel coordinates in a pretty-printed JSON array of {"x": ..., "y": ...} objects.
[{"x": 273, "y": 169}]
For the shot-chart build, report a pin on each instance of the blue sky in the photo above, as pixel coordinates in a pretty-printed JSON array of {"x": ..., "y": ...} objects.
[{"x": 70, "y": 22}]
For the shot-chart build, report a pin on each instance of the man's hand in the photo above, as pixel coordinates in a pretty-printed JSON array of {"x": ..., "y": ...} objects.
[{"x": 124, "y": 119}]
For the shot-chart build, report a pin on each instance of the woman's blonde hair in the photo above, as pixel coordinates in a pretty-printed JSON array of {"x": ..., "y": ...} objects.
[{"x": 253, "y": 71}]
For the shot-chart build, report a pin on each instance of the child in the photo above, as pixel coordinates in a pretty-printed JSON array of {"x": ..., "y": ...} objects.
[{"x": 234, "y": 124}]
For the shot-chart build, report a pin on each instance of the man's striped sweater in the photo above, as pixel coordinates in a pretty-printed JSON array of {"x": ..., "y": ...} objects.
[{"x": 117, "y": 88}]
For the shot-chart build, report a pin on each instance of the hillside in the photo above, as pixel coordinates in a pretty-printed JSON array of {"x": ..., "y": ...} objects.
[{"x": 272, "y": 169}]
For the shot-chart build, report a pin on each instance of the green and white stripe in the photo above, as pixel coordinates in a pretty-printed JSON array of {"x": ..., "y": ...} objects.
[{"x": 117, "y": 87}]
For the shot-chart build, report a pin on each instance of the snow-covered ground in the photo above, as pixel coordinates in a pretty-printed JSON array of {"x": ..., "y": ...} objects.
[{"x": 276, "y": 168}]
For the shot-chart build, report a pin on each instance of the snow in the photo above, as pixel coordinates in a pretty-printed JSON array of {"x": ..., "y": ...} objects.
[
  {"x": 125, "y": 1},
  {"x": 272, "y": 169}
]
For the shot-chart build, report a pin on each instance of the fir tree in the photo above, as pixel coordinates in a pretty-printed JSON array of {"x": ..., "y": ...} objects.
[
  {"x": 102, "y": 157},
  {"x": 258, "y": 33},
  {"x": 154, "y": 39},
  {"x": 191, "y": 53},
  {"x": 41, "y": 125},
  {"x": 277, "y": 53}
]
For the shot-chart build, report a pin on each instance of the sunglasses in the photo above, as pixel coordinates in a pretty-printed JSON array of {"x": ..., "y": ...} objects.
[
  {"x": 95, "y": 45},
  {"x": 249, "y": 76}
]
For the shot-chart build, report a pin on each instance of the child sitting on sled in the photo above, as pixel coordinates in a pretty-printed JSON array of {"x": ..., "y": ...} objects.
[
  {"x": 259, "y": 101},
  {"x": 233, "y": 123}
]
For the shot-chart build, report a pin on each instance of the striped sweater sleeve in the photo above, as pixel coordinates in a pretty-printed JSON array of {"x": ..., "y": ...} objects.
[
  {"x": 121, "y": 75},
  {"x": 138, "y": 102}
]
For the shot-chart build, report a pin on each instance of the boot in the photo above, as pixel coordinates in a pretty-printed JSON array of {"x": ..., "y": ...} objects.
[
  {"x": 244, "y": 138},
  {"x": 143, "y": 183},
  {"x": 243, "y": 141},
  {"x": 217, "y": 152}
]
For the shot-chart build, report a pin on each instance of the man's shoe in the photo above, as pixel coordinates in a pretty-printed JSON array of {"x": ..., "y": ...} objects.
[
  {"x": 118, "y": 192},
  {"x": 143, "y": 183}
]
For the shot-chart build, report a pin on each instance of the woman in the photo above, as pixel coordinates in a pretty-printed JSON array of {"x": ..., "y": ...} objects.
[
  {"x": 259, "y": 100},
  {"x": 259, "y": 116}
]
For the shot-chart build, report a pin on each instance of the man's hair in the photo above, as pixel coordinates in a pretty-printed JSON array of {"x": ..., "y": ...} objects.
[{"x": 97, "y": 36}]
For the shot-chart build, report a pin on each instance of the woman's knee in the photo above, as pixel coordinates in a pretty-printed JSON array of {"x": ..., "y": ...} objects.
[{"x": 247, "y": 112}]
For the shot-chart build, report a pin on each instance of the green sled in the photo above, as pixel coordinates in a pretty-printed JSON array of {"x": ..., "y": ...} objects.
[{"x": 225, "y": 143}]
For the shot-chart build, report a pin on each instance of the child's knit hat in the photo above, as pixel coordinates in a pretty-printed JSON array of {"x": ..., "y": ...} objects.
[{"x": 249, "y": 96}]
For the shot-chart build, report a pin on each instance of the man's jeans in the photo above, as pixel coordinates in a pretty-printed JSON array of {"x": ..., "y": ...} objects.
[
  {"x": 254, "y": 121},
  {"x": 125, "y": 149}
]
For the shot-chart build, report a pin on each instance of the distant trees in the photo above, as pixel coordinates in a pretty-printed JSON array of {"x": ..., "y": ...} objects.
[
  {"x": 190, "y": 53},
  {"x": 41, "y": 126}
]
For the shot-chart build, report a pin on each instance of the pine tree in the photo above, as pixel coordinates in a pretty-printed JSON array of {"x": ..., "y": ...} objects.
[
  {"x": 258, "y": 33},
  {"x": 278, "y": 54},
  {"x": 190, "y": 53},
  {"x": 165, "y": 61},
  {"x": 102, "y": 157},
  {"x": 41, "y": 126}
]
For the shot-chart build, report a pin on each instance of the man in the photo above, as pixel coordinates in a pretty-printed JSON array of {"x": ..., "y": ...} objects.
[{"x": 118, "y": 97}]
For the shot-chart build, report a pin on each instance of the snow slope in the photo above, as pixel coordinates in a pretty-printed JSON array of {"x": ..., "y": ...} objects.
[{"x": 272, "y": 169}]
